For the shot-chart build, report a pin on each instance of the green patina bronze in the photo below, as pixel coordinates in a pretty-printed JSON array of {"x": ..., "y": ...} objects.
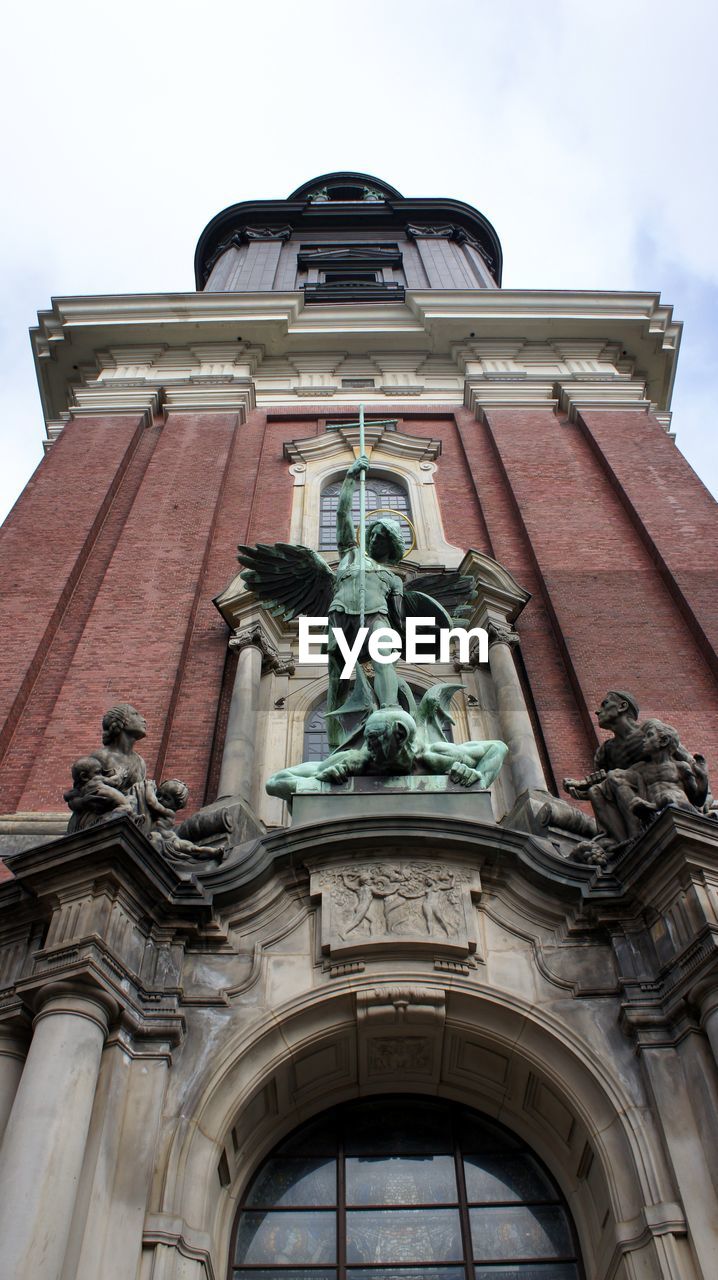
[{"x": 395, "y": 737}]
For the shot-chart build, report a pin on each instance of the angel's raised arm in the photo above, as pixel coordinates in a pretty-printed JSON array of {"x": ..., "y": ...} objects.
[{"x": 345, "y": 523}]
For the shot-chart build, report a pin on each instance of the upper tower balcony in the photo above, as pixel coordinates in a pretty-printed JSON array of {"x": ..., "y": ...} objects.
[{"x": 348, "y": 237}]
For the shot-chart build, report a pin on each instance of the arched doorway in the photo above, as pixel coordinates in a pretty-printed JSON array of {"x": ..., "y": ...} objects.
[{"x": 403, "y": 1188}]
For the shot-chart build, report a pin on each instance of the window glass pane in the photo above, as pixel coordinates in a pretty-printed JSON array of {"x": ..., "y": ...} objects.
[
  {"x": 300, "y": 1239},
  {"x": 407, "y": 1273},
  {"x": 318, "y": 1138},
  {"x": 479, "y": 1136},
  {"x": 380, "y": 494},
  {"x": 401, "y": 1180},
  {"x": 520, "y": 1233},
  {"x": 506, "y": 1178},
  {"x": 295, "y": 1182},
  {"x": 530, "y": 1271},
  {"x": 403, "y": 1235},
  {"x": 293, "y": 1273},
  {"x": 398, "y": 1129}
]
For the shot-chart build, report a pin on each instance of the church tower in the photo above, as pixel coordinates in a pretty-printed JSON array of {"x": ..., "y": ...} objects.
[{"x": 399, "y": 1023}]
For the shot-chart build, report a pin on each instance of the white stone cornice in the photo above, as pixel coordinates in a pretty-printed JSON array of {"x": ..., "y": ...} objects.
[{"x": 539, "y": 337}]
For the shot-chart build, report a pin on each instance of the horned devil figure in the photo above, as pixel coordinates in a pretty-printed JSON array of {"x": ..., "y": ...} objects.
[
  {"x": 364, "y": 591},
  {"x": 391, "y": 742}
]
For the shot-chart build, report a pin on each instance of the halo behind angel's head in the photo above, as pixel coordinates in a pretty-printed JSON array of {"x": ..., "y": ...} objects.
[{"x": 390, "y": 530}]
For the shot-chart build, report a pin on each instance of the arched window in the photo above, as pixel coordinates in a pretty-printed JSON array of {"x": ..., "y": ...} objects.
[
  {"x": 316, "y": 740},
  {"x": 400, "y": 1188},
  {"x": 380, "y": 495}
]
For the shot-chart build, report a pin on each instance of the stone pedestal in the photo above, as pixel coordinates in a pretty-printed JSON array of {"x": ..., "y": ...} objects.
[{"x": 416, "y": 796}]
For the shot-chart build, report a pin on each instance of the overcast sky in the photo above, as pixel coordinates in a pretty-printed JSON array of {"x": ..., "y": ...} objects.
[{"x": 585, "y": 133}]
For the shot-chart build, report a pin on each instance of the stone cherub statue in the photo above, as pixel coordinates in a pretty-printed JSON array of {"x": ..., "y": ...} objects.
[
  {"x": 172, "y": 796},
  {"x": 640, "y": 770},
  {"x": 294, "y": 580},
  {"x": 392, "y": 742},
  {"x": 112, "y": 782}
]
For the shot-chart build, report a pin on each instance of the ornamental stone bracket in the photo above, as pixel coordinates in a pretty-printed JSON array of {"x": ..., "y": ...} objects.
[
  {"x": 400, "y": 1032},
  {"x": 659, "y": 903},
  {"x": 115, "y": 919},
  {"x": 157, "y": 379},
  {"x": 569, "y": 375},
  {"x": 370, "y": 907}
]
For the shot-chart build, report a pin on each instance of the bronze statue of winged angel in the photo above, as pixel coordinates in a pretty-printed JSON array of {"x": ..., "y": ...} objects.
[{"x": 363, "y": 591}]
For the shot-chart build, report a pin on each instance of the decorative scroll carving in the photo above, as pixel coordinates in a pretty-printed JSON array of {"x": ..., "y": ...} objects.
[
  {"x": 430, "y": 231},
  {"x": 375, "y": 903},
  {"x": 240, "y": 236},
  {"x": 267, "y": 233},
  {"x": 406, "y": 1003}
]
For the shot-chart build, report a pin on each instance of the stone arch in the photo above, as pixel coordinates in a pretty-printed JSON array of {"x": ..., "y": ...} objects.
[{"x": 493, "y": 1052}]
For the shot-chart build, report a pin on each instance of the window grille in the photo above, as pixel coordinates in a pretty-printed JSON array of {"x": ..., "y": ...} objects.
[
  {"x": 403, "y": 1188},
  {"x": 380, "y": 495}
]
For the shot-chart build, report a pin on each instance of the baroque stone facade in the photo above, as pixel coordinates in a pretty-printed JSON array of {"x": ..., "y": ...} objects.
[{"x": 167, "y": 1018}]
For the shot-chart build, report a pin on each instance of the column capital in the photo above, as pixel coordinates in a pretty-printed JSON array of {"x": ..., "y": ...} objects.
[
  {"x": 253, "y": 635},
  {"x": 77, "y": 999},
  {"x": 502, "y": 633}
]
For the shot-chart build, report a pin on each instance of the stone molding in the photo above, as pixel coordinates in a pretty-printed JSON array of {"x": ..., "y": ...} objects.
[
  {"x": 109, "y": 952},
  {"x": 459, "y": 327},
  {"x": 319, "y": 460},
  {"x": 378, "y": 436},
  {"x": 255, "y": 636},
  {"x": 499, "y": 597},
  {"x": 162, "y": 1231}
]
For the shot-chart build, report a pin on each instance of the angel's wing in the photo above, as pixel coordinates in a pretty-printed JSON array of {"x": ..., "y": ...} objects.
[
  {"x": 453, "y": 591},
  {"x": 432, "y": 710},
  {"x": 288, "y": 579}
]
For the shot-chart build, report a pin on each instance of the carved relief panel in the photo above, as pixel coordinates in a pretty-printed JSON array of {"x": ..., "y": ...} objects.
[{"x": 402, "y": 904}]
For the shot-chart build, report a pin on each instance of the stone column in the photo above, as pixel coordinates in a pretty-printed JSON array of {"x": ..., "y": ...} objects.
[
  {"x": 44, "y": 1145},
  {"x": 516, "y": 728},
  {"x": 709, "y": 1019},
  {"x": 256, "y": 654},
  {"x": 13, "y": 1050}
]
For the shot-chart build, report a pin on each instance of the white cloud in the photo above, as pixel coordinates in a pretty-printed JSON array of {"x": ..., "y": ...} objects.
[{"x": 573, "y": 128}]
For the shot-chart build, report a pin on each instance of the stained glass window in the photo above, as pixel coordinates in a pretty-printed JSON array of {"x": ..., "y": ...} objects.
[
  {"x": 403, "y": 1189},
  {"x": 381, "y": 495}
]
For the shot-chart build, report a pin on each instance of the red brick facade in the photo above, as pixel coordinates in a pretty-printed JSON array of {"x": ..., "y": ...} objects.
[{"x": 112, "y": 556}]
